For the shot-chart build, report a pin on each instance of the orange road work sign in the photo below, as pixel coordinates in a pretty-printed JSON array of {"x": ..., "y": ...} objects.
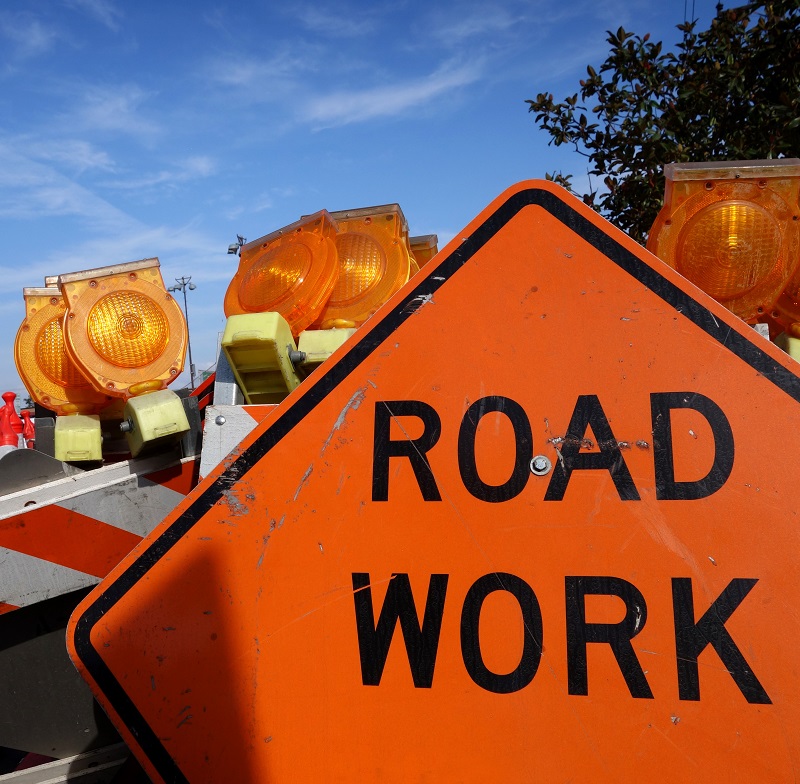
[{"x": 536, "y": 521}]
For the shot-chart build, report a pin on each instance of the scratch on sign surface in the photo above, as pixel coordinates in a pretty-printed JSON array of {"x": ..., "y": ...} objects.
[
  {"x": 638, "y": 619},
  {"x": 355, "y": 401},
  {"x": 303, "y": 481},
  {"x": 265, "y": 542},
  {"x": 235, "y": 504},
  {"x": 418, "y": 302}
]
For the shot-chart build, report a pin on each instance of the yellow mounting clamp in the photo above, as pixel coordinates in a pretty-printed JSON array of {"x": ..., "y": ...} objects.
[
  {"x": 259, "y": 347},
  {"x": 153, "y": 421},
  {"x": 78, "y": 438}
]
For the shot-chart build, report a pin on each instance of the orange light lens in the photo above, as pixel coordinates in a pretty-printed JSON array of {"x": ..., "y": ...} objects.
[
  {"x": 362, "y": 264},
  {"x": 291, "y": 272},
  {"x": 733, "y": 230},
  {"x": 51, "y": 377},
  {"x": 374, "y": 262},
  {"x": 123, "y": 330},
  {"x": 51, "y": 356},
  {"x": 128, "y": 329},
  {"x": 728, "y": 247},
  {"x": 273, "y": 278}
]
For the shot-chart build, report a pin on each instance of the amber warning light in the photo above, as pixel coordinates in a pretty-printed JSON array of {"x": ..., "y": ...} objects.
[
  {"x": 328, "y": 270},
  {"x": 101, "y": 335},
  {"x": 123, "y": 329},
  {"x": 733, "y": 229},
  {"x": 291, "y": 272},
  {"x": 50, "y": 375},
  {"x": 374, "y": 262},
  {"x": 300, "y": 292}
]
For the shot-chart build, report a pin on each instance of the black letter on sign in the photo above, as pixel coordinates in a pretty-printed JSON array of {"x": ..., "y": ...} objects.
[
  {"x": 691, "y": 638},
  {"x": 422, "y": 642},
  {"x": 617, "y": 635},
  {"x": 466, "y": 449},
  {"x": 415, "y": 450},
  {"x": 589, "y": 412},
  {"x": 520, "y": 677},
  {"x": 667, "y": 489}
]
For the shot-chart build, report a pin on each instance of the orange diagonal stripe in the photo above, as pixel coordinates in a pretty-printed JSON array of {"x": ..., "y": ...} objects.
[{"x": 68, "y": 538}]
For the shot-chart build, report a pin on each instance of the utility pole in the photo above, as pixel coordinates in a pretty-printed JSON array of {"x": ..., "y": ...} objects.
[{"x": 182, "y": 284}]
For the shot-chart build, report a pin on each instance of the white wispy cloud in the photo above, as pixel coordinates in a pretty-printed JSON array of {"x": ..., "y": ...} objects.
[
  {"x": 183, "y": 249},
  {"x": 190, "y": 169},
  {"x": 344, "y": 107},
  {"x": 30, "y": 189},
  {"x": 218, "y": 18},
  {"x": 76, "y": 155},
  {"x": 116, "y": 108},
  {"x": 344, "y": 23},
  {"x": 261, "y": 202},
  {"x": 272, "y": 75},
  {"x": 103, "y": 11},
  {"x": 28, "y": 36},
  {"x": 486, "y": 21}
]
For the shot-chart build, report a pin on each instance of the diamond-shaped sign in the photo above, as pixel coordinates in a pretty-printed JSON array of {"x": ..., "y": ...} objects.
[{"x": 536, "y": 521}]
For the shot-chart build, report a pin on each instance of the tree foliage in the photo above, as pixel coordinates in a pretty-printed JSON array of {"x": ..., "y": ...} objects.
[{"x": 731, "y": 92}]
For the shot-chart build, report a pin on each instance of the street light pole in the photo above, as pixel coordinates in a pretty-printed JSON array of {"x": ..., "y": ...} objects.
[{"x": 182, "y": 284}]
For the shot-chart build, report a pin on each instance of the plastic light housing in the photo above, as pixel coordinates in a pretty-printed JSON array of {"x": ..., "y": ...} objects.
[
  {"x": 423, "y": 248},
  {"x": 258, "y": 348},
  {"x": 156, "y": 420},
  {"x": 733, "y": 229},
  {"x": 374, "y": 262},
  {"x": 78, "y": 438},
  {"x": 123, "y": 329},
  {"x": 291, "y": 271},
  {"x": 51, "y": 377}
]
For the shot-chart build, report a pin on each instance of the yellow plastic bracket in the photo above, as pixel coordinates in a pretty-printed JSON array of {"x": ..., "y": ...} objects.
[
  {"x": 78, "y": 438},
  {"x": 154, "y": 420},
  {"x": 257, "y": 346},
  {"x": 318, "y": 344}
]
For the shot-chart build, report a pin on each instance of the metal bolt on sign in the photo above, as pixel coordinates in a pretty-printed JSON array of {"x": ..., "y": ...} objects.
[{"x": 540, "y": 466}]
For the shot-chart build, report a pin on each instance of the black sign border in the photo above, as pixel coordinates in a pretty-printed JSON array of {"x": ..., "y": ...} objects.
[{"x": 581, "y": 225}]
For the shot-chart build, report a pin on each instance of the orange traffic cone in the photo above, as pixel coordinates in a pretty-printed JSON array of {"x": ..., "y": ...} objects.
[{"x": 28, "y": 429}]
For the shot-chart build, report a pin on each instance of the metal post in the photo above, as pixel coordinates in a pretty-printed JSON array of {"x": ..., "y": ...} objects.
[{"x": 182, "y": 284}]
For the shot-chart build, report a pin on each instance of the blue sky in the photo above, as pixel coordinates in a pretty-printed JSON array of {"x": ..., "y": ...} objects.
[{"x": 130, "y": 130}]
